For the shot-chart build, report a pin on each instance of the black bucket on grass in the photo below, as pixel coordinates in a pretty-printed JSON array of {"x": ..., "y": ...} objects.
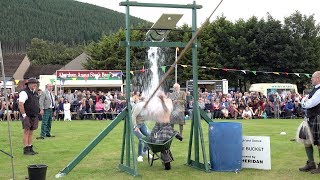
[{"x": 37, "y": 171}]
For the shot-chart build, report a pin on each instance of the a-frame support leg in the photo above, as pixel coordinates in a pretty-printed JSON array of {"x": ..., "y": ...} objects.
[{"x": 127, "y": 142}]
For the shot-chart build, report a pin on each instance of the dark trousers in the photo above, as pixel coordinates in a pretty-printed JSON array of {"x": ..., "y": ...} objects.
[{"x": 46, "y": 123}]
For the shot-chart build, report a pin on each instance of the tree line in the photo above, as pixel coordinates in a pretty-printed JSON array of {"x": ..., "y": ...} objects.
[
  {"x": 255, "y": 44},
  {"x": 66, "y": 21},
  {"x": 267, "y": 45}
]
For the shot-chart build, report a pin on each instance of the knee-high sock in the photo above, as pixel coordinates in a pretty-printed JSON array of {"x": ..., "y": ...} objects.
[
  {"x": 181, "y": 129},
  {"x": 309, "y": 152}
]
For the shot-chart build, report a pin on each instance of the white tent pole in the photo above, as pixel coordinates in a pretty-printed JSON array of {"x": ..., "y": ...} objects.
[{"x": 8, "y": 119}]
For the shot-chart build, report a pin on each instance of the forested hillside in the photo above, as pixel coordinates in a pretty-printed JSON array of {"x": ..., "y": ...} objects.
[{"x": 68, "y": 21}]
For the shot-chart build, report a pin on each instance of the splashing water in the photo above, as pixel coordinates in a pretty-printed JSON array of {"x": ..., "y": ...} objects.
[
  {"x": 154, "y": 58},
  {"x": 154, "y": 107}
]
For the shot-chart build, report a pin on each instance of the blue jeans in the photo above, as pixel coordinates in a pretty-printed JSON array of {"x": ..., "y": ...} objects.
[{"x": 144, "y": 131}]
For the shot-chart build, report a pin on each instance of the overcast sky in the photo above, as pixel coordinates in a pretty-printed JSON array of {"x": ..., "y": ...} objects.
[{"x": 232, "y": 9}]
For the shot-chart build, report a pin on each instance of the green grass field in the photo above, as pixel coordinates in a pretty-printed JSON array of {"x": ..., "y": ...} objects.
[{"x": 103, "y": 160}]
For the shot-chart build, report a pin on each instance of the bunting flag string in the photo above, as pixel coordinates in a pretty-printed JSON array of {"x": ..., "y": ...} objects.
[{"x": 245, "y": 71}]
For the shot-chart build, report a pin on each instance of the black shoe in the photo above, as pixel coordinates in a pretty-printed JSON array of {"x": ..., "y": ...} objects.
[
  {"x": 316, "y": 171},
  {"x": 308, "y": 167},
  {"x": 26, "y": 151},
  {"x": 31, "y": 149},
  {"x": 178, "y": 136},
  {"x": 40, "y": 137},
  {"x": 50, "y": 135}
]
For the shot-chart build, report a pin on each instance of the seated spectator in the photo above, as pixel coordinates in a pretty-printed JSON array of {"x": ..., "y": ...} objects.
[
  {"x": 216, "y": 108},
  {"x": 288, "y": 109},
  {"x": 241, "y": 106},
  {"x": 59, "y": 109},
  {"x": 269, "y": 109},
  {"x": 82, "y": 108},
  {"x": 298, "y": 112},
  {"x": 233, "y": 109},
  {"x": 247, "y": 113},
  {"x": 258, "y": 112},
  {"x": 224, "y": 112},
  {"x": 99, "y": 108},
  {"x": 113, "y": 108}
]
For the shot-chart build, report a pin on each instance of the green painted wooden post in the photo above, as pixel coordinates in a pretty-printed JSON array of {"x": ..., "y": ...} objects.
[
  {"x": 128, "y": 141},
  {"x": 196, "y": 133}
]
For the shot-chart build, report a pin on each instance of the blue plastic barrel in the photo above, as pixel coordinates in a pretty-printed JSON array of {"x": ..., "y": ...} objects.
[{"x": 225, "y": 146}]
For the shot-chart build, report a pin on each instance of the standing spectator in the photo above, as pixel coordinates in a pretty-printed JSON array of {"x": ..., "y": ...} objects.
[
  {"x": 311, "y": 103},
  {"x": 70, "y": 97},
  {"x": 66, "y": 110},
  {"x": 29, "y": 108},
  {"x": 15, "y": 106},
  {"x": 46, "y": 103},
  {"x": 178, "y": 99}
]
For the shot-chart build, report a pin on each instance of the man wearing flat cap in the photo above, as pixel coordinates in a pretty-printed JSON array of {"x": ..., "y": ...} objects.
[{"x": 29, "y": 108}]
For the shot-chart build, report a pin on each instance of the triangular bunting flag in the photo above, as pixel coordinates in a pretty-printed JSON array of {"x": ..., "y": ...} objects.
[
  {"x": 85, "y": 78},
  {"x": 132, "y": 72},
  {"x": 52, "y": 81},
  {"x": 184, "y": 65},
  {"x": 204, "y": 67},
  {"x": 286, "y": 73},
  {"x": 16, "y": 81},
  {"x": 244, "y": 71},
  {"x": 96, "y": 77},
  {"x": 254, "y": 72},
  {"x": 225, "y": 69},
  {"x": 163, "y": 68},
  {"x": 308, "y": 75},
  {"x": 108, "y": 76},
  {"x": 297, "y": 74},
  {"x": 277, "y": 73},
  {"x": 142, "y": 70}
]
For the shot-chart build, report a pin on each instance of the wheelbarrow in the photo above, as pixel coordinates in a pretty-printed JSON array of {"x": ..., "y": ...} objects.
[{"x": 164, "y": 150}]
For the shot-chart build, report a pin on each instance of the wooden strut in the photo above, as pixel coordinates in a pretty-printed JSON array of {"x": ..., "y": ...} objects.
[{"x": 183, "y": 52}]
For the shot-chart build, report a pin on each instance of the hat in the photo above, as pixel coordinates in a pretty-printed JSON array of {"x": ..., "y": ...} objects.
[{"x": 31, "y": 80}]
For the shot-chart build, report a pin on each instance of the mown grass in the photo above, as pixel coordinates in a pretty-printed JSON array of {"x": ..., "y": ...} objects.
[{"x": 102, "y": 162}]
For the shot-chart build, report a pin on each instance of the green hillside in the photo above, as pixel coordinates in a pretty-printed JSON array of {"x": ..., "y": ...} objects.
[{"x": 56, "y": 20}]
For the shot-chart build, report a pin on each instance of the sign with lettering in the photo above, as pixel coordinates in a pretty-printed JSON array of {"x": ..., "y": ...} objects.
[
  {"x": 89, "y": 74},
  {"x": 256, "y": 152}
]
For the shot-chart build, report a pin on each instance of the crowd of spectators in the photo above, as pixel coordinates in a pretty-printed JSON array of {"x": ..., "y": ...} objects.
[
  {"x": 106, "y": 105},
  {"x": 237, "y": 105}
]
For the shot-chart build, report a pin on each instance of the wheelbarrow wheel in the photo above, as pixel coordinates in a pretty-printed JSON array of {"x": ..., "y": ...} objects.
[{"x": 167, "y": 166}]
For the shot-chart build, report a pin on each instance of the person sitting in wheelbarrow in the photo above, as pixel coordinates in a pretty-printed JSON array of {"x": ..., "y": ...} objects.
[
  {"x": 140, "y": 129},
  {"x": 163, "y": 131}
]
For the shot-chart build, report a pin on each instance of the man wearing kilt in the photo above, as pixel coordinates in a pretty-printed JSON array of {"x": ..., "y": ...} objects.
[
  {"x": 312, "y": 104},
  {"x": 163, "y": 131},
  {"x": 179, "y": 100}
]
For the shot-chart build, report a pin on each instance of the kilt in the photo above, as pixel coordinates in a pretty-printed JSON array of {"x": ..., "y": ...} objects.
[
  {"x": 177, "y": 117},
  {"x": 314, "y": 123},
  {"x": 161, "y": 133}
]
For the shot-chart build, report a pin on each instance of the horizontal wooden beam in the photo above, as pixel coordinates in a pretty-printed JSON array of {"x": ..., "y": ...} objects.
[
  {"x": 154, "y": 44},
  {"x": 187, "y": 6}
]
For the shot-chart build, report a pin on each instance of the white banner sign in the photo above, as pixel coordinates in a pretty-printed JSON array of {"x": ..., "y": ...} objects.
[{"x": 256, "y": 152}]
